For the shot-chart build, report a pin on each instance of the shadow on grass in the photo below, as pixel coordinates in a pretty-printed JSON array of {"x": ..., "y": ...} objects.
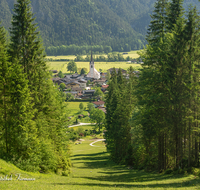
[
  {"x": 132, "y": 176},
  {"x": 95, "y": 161},
  {"x": 94, "y": 156},
  {"x": 187, "y": 184},
  {"x": 113, "y": 174}
]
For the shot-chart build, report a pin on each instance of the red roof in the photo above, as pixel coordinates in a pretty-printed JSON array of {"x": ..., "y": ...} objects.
[
  {"x": 105, "y": 86},
  {"x": 98, "y": 102},
  {"x": 103, "y": 109}
]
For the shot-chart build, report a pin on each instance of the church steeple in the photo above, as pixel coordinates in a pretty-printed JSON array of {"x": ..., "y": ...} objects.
[
  {"x": 91, "y": 56},
  {"x": 93, "y": 72}
]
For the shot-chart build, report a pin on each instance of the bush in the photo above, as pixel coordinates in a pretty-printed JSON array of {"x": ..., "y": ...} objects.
[
  {"x": 168, "y": 171},
  {"x": 81, "y": 134},
  {"x": 195, "y": 171}
]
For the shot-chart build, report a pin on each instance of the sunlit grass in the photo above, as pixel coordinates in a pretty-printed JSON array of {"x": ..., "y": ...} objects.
[
  {"x": 62, "y": 65},
  {"x": 93, "y": 170},
  {"x": 132, "y": 54}
]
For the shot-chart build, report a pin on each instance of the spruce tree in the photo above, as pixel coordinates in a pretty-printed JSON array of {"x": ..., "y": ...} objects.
[
  {"x": 18, "y": 129},
  {"x": 118, "y": 108},
  {"x": 26, "y": 52},
  {"x": 191, "y": 35},
  {"x": 26, "y": 47},
  {"x": 157, "y": 27},
  {"x": 111, "y": 105},
  {"x": 176, "y": 12},
  {"x": 5, "y": 72}
]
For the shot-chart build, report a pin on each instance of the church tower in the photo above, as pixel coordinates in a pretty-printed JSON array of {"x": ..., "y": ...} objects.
[
  {"x": 93, "y": 72},
  {"x": 91, "y": 66}
]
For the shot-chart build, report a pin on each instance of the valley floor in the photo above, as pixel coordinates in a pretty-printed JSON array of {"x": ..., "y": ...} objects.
[{"x": 92, "y": 170}]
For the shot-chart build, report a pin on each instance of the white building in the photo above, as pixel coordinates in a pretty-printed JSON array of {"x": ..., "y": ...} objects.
[{"x": 93, "y": 72}]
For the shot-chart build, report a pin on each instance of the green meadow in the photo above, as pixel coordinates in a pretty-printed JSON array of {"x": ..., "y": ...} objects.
[
  {"x": 132, "y": 54},
  {"x": 74, "y": 111},
  {"x": 62, "y": 65},
  {"x": 92, "y": 170}
]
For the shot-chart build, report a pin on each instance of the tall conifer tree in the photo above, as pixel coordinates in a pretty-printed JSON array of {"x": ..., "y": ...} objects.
[
  {"x": 5, "y": 72},
  {"x": 26, "y": 52}
]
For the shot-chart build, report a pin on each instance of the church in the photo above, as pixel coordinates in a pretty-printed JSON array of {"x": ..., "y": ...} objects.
[{"x": 93, "y": 72}]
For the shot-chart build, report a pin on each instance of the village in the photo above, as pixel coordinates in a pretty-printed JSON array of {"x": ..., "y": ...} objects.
[{"x": 89, "y": 87}]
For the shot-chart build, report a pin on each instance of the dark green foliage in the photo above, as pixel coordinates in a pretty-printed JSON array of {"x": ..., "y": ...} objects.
[
  {"x": 81, "y": 106},
  {"x": 119, "y": 24},
  {"x": 72, "y": 67},
  {"x": 90, "y": 106},
  {"x": 175, "y": 13},
  {"x": 5, "y": 84},
  {"x": 60, "y": 74},
  {"x": 32, "y": 109},
  {"x": 98, "y": 93},
  {"x": 119, "y": 105},
  {"x": 62, "y": 86},
  {"x": 76, "y": 49},
  {"x": 83, "y": 71},
  {"x": 69, "y": 97},
  {"x": 97, "y": 116},
  {"x": 157, "y": 26},
  {"x": 166, "y": 119}
]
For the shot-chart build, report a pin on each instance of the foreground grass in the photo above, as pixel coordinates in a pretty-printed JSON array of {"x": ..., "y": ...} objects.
[{"x": 93, "y": 170}]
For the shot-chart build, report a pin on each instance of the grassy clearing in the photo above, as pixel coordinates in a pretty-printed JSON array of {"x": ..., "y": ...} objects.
[
  {"x": 93, "y": 170},
  {"x": 132, "y": 54},
  {"x": 75, "y": 105},
  {"x": 62, "y": 65},
  {"x": 84, "y": 127},
  {"x": 74, "y": 111}
]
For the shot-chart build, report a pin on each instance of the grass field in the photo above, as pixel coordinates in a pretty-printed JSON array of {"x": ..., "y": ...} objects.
[
  {"x": 62, "y": 65},
  {"x": 132, "y": 54},
  {"x": 92, "y": 170},
  {"x": 75, "y": 105},
  {"x": 74, "y": 110}
]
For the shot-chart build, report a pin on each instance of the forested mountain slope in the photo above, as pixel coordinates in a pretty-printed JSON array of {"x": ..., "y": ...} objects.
[{"x": 85, "y": 22}]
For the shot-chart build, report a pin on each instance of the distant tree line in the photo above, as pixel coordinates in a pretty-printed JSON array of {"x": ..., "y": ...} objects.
[
  {"x": 77, "y": 50},
  {"x": 97, "y": 49},
  {"x": 152, "y": 121},
  {"x": 32, "y": 110},
  {"x": 111, "y": 57}
]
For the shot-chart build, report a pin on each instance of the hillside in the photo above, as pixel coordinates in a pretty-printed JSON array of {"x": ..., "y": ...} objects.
[{"x": 85, "y": 22}]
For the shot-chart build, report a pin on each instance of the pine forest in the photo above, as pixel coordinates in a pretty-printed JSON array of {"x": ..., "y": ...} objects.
[
  {"x": 154, "y": 121},
  {"x": 32, "y": 110}
]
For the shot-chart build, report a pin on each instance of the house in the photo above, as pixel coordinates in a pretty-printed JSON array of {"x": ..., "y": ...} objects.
[
  {"x": 87, "y": 88},
  {"x": 98, "y": 104},
  {"x": 72, "y": 84},
  {"x": 103, "y": 75},
  {"x": 72, "y": 92},
  {"x": 104, "y": 87},
  {"x": 88, "y": 92},
  {"x": 82, "y": 83},
  {"x": 77, "y": 89},
  {"x": 102, "y": 108},
  {"x": 100, "y": 81},
  {"x": 74, "y": 76},
  {"x": 55, "y": 79},
  {"x": 116, "y": 69}
]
